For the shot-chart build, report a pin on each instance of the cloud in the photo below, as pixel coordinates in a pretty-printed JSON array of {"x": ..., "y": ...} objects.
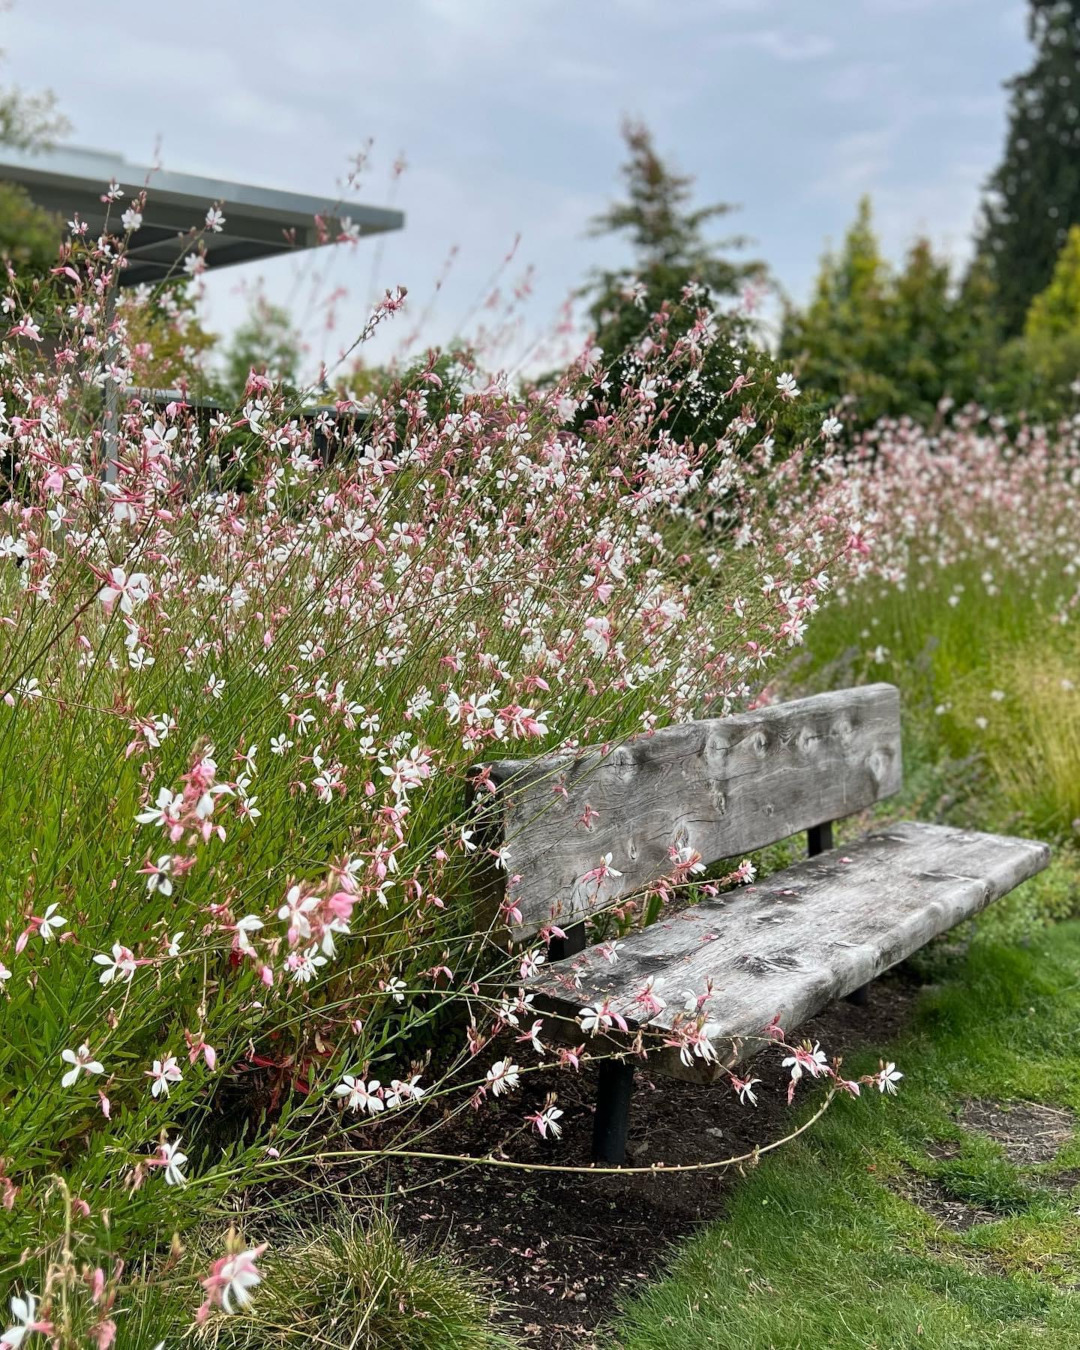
[
  {"x": 508, "y": 115},
  {"x": 788, "y": 46}
]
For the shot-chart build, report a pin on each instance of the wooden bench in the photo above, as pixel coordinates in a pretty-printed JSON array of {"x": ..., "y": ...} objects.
[{"x": 719, "y": 789}]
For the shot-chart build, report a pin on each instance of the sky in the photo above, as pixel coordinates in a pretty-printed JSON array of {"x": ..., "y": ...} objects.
[{"x": 507, "y": 115}]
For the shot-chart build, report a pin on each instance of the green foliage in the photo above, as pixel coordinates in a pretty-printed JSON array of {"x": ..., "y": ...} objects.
[
  {"x": 266, "y": 343},
  {"x": 1033, "y": 197},
  {"x": 834, "y": 1241},
  {"x": 675, "y": 270},
  {"x": 887, "y": 342},
  {"x": 29, "y": 235},
  {"x": 1055, "y": 312},
  {"x": 347, "y": 1283},
  {"x": 29, "y": 121},
  {"x": 1038, "y": 371},
  {"x": 166, "y": 338}
]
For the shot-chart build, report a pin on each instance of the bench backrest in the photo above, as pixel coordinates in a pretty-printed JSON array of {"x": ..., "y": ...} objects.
[{"x": 721, "y": 787}]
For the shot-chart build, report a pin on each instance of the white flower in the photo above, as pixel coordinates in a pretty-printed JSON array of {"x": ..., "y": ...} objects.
[
  {"x": 812, "y": 1060},
  {"x": 888, "y": 1078},
  {"x": 167, "y": 811},
  {"x": 139, "y": 659},
  {"x": 51, "y": 923},
  {"x": 81, "y": 1061},
  {"x": 159, "y": 879},
  {"x": 502, "y": 1076},
  {"x": 305, "y": 965},
  {"x": 164, "y": 1072},
  {"x": 787, "y": 386},
  {"x": 746, "y": 1091},
  {"x": 361, "y": 1096},
  {"x": 131, "y": 219},
  {"x": 594, "y": 1019},
  {"x": 214, "y": 220},
  {"x": 548, "y": 1119},
  {"x": 400, "y": 1093},
  {"x": 24, "y": 1310},
  {"x": 831, "y": 428},
  {"x": 239, "y": 1274},
  {"x": 120, "y": 965},
  {"x": 173, "y": 1160}
]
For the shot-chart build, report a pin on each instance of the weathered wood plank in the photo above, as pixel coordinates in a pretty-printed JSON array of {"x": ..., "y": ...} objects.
[
  {"x": 811, "y": 933},
  {"x": 720, "y": 787}
]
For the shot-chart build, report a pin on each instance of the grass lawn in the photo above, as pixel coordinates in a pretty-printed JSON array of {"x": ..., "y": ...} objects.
[{"x": 896, "y": 1224}]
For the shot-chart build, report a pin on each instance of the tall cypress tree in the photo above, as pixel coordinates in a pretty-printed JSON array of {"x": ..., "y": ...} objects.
[{"x": 1034, "y": 196}]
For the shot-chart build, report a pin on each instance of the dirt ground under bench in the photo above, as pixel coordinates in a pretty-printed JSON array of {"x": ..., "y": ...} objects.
[{"x": 562, "y": 1251}]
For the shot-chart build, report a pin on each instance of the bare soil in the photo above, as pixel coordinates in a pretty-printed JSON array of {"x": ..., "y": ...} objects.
[
  {"x": 931, "y": 1195},
  {"x": 562, "y": 1251},
  {"x": 1029, "y": 1132}
]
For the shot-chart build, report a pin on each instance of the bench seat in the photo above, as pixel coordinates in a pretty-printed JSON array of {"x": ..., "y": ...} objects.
[{"x": 816, "y": 931}]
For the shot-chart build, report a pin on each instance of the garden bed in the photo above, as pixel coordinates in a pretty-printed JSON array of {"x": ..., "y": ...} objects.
[{"x": 563, "y": 1251}]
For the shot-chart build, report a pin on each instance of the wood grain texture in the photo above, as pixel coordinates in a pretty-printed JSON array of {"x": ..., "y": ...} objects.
[
  {"x": 811, "y": 933},
  {"x": 721, "y": 787}
]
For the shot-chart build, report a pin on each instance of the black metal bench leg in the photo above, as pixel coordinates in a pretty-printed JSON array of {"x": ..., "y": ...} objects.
[
  {"x": 860, "y": 997},
  {"x": 819, "y": 839},
  {"x": 574, "y": 941},
  {"x": 612, "y": 1111}
]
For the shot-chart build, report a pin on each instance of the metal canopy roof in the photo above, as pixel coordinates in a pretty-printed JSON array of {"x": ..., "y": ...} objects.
[{"x": 259, "y": 222}]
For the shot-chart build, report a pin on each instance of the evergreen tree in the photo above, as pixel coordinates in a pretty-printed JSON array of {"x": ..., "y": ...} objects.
[
  {"x": 669, "y": 245},
  {"x": 839, "y": 343},
  {"x": 1034, "y": 196},
  {"x": 1055, "y": 312},
  {"x": 677, "y": 269},
  {"x": 1040, "y": 370},
  {"x": 890, "y": 342}
]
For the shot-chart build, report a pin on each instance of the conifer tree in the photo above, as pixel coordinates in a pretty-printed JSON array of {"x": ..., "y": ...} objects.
[
  {"x": 1055, "y": 312},
  {"x": 670, "y": 248},
  {"x": 1034, "y": 196},
  {"x": 892, "y": 342}
]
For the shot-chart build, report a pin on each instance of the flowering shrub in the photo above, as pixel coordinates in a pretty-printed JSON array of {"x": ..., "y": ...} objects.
[
  {"x": 236, "y": 733},
  {"x": 971, "y": 493},
  {"x": 968, "y": 598}
]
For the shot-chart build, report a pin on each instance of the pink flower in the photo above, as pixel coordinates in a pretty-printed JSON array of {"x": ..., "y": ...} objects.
[
  {"x": 120, "y": 965},
  {"x": 230, "y": 1281},
  {"x": 165, "y": 1072}
]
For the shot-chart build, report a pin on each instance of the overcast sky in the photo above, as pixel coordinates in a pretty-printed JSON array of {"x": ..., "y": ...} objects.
[{"x": 507, "y": 113}]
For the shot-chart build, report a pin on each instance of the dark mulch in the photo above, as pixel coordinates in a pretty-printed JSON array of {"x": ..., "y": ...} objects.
[
  {"x": 563, "y": 1251},
  {"x": 1028, "y": 1132},
  {"x": 951, "y": 1213}
]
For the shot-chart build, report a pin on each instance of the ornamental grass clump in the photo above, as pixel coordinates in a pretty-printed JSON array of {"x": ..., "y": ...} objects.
[{"x": 246, "y": 671}]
